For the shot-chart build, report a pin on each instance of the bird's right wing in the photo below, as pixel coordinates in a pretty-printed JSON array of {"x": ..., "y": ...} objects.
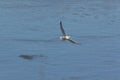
[
  {"x": 72, "y": 41},
  {"x": 62, "y": 29}
]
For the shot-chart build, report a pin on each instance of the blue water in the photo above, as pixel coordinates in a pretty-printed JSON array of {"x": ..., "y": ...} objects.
[{"x": 31, "y": 28}]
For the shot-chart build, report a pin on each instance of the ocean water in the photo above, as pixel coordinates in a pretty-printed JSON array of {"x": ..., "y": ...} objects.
[{"x": 30, "y": 48}]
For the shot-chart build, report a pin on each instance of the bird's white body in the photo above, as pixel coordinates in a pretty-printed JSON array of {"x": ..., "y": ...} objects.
[{"x": 64, "y": 37}]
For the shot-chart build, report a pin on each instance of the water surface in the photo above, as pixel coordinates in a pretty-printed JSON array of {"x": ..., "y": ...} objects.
[{"x": 30, "y": 48}]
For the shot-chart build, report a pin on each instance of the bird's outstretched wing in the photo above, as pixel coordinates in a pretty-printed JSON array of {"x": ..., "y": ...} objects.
[
  {"x": 72, "y": 41},
  {"x": 62, "y": 29}
]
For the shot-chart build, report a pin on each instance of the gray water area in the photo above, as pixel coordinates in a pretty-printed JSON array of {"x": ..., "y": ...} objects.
[{"x": 30, "y": 48}]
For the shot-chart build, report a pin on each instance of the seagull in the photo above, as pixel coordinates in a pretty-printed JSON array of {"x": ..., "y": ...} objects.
[{"x": 65, "y": 36}]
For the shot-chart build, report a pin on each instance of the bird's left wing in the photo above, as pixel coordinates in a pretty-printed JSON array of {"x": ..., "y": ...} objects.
[{"x": 62, "y": 29}]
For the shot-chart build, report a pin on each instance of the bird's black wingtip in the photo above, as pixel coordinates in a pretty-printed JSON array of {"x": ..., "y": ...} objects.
[{"x": 60, "y": 22}]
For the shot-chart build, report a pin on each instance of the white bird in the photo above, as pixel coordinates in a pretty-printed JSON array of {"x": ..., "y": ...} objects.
[{"x": 64, "y": 35}]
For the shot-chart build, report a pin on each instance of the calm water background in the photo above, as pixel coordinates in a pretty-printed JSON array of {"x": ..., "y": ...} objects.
[{"x": 31, "y": 27}]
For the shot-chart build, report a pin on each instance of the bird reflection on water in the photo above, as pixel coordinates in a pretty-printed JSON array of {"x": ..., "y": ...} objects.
[
  {"x": 42, "y": 64},
  {"x": 31, "y": 57}
]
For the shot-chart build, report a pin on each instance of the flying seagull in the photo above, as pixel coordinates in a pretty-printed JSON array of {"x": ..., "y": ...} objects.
[{"x": 64, "y": 35}]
